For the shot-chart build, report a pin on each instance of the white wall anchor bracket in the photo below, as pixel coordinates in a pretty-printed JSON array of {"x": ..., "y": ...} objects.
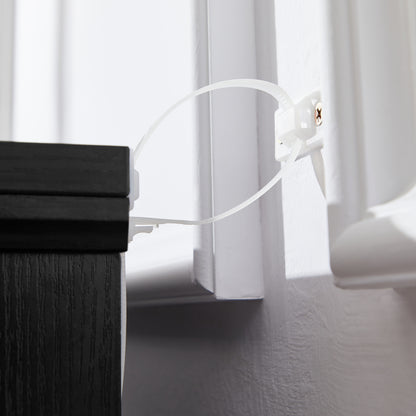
[{"x": 301, "y": 122}]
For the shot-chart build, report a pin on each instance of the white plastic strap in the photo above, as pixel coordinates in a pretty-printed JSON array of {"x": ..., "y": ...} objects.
[
  {"x": 269, "y": 88},
  {"x": 279, "y": 94},
  {"x": 138, "y": 221}
]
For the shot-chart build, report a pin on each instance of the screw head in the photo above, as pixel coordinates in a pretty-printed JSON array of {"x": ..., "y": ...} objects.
[{"x": 318, "y": 114}]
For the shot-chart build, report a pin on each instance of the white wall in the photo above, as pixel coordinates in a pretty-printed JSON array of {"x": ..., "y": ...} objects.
[{"x": 307, "y": 349}]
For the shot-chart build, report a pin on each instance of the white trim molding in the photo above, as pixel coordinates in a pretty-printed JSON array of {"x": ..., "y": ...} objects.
[
  {"x": 226, "y": 261},
  {"x": 369, "y": 89},
  {"x": 6, "y": 67},
  {"x": 37, "y": 71}
]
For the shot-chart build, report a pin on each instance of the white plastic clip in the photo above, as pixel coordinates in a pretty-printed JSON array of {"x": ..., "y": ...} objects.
[
  {"x": 297, "y": 122},
  {"x": 300, "y": 122},
  {"x": 139, "y": 229}
]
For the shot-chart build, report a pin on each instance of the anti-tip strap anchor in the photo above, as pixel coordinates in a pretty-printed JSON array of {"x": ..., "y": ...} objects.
[
  {"x": 301, "y": 121},
  {"x": 295, "y": 127}
]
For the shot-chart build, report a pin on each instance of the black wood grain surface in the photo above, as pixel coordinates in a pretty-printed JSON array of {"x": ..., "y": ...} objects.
[
  {"x": 63, "y": 223},
  {"x": 59, "y": 334},
  {"x": 64, "y": 169}
]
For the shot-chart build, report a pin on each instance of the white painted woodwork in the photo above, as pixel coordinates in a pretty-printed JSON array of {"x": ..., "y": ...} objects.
[
  {"x": 225, "y": 261},
  {"x": 36, "y": 108},
  {"x": 6, "y": 67},
  {"x": 369, "y": 90},
  {"x": 304, "y": 207}
]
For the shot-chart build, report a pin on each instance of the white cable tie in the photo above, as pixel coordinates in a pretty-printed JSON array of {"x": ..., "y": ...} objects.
[
  {"x": 278, "y": 93},
  {"x": 141, "y": 221},
  {"x": 295, "y": 145}
]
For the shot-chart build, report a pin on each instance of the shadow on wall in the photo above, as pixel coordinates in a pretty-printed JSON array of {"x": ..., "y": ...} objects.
[
  {"x": 227, "y": 320},
  {"x": 188, "y": 359},
  {"x": 408, "y": 299}
]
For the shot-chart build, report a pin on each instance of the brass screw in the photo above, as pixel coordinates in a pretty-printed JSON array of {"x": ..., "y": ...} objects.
[{"x": 318, "y": 114}]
